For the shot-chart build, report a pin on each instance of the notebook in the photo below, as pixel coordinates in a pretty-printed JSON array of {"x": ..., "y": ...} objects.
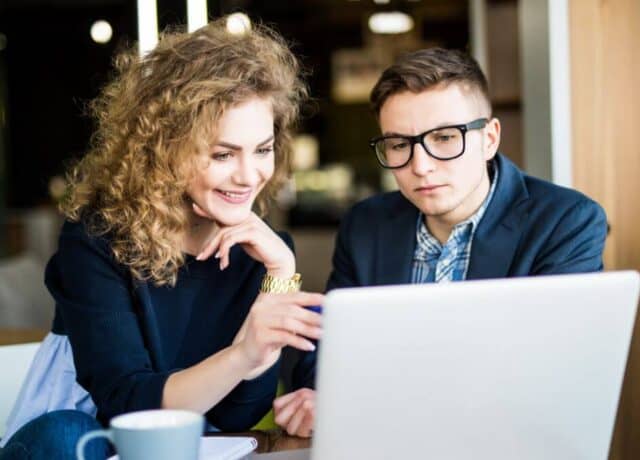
[{"x": 222, "y": 448}]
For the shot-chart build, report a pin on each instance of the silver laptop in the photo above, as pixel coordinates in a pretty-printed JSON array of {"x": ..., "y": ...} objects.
[{"x": 527, "y": 368}]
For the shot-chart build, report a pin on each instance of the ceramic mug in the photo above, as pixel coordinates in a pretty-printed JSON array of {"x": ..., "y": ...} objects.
[{"x": 161, "y": 434}]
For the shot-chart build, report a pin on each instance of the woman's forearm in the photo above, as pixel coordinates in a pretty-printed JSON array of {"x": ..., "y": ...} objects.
[{"x": 200, "y": 387}]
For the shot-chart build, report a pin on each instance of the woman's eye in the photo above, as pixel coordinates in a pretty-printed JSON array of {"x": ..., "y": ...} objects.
[
  {"x": 264, "y": 150},
  {"x": 221, "y": 156}
]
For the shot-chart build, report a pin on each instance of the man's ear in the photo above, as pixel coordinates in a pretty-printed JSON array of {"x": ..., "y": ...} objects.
[{"x": 491, "y": 138}]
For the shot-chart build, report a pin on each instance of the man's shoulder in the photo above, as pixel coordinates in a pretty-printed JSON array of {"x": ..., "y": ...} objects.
[
  {"x": 541, "y": 194},
  {"x": 545, "y": 194}
]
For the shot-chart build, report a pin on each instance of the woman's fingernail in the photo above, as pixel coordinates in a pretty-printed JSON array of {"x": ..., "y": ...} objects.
[
  {"x": 199, "y": 257},
  {"x": 310, "y": 346},
  {"x": 217, "y": 256}
]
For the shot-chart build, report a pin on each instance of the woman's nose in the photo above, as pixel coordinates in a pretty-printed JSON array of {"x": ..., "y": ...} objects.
[{"x": 247, "y": 172}]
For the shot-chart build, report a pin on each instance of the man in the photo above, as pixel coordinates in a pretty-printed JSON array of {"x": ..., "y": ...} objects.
[{"x": 463, "y": 210}]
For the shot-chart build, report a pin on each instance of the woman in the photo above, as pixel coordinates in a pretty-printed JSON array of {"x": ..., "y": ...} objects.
[{"x": 188, "y": 139}]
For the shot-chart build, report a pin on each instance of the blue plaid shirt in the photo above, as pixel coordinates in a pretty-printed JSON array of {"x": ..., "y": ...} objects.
[{"x": 434, "y": 262}]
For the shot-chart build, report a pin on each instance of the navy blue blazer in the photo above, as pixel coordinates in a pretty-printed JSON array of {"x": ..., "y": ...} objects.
[{"x": 531, "y": 227}]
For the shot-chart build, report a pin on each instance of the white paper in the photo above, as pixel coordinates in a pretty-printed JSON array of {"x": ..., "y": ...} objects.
[{"x": 222, "y": 447}]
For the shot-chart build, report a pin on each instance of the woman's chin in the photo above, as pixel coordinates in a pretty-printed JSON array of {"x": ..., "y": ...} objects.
[{"x": 230, "y": 219}]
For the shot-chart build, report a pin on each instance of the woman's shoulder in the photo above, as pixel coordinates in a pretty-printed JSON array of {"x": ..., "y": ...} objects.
[{"x": 80, "y": 244}]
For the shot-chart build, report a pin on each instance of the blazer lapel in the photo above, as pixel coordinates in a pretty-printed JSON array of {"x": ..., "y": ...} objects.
[
  {"x": 499, "y": 232},
  {"x": 396, "y": 243}
]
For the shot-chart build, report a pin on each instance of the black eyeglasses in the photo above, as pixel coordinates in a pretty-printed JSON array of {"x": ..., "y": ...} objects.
[{"x": 444, "y": 143}]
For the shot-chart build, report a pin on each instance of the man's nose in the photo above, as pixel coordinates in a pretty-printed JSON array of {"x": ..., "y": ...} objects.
[{"x": 421, "y": 161}]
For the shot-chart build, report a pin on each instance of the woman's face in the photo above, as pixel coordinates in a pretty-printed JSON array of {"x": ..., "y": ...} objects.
[{"x": 234, "y": 170}]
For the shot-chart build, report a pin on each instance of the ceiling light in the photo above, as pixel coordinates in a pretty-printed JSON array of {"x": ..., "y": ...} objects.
[
  {"x": 382, "y": 2},
  {"x": 238, "y": 23},
  {"x": 147, "y": 26},
  {"x": 196, "y": 14},
  {"x": 394, "y": 22},
  {"x": 101, "y": 31}
]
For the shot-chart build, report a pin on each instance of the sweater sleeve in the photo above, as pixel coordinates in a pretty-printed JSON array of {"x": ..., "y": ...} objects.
[{"x": 93, "y": 296}]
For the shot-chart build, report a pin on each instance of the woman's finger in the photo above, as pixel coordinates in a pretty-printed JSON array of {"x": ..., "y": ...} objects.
[
  {"x": 282, "y": 311},
  {"x": 283, "y": 400},
  {"x": 211, "y": 246},
  {"x": 281, "y": 338},
  {"x": 296, "y": 420},
  {"x": 239, "y": 236},
  {"x": 306, "y": 427},
  {"x": 297, "y": 327},
  {"x": 290, "y": 318},
  {"x": 303, "y": 298}
]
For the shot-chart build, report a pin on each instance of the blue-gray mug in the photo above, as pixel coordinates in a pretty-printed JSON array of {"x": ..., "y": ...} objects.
[{"x": 162, "y": 434}]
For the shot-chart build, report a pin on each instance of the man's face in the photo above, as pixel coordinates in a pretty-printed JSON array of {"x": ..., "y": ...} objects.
[{"x": 448, "y": 190}]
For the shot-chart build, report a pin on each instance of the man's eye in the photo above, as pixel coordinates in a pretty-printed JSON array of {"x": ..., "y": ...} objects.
[
  {"x": 221, "y": 156},
  {"x": 445, "y": 136},
  {"x": 399, "y": 145}
]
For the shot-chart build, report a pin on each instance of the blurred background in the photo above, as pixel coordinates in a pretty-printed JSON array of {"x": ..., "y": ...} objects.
[
  {"x": 563, "y": 77},
  {"x": 56, "y": 54}
]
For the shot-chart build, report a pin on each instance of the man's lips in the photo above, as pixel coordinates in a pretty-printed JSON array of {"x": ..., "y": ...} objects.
[{"x": 428, "y": 188}]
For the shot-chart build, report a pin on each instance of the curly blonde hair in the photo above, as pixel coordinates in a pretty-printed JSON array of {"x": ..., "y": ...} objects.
[{"x": 153, "y": 118}]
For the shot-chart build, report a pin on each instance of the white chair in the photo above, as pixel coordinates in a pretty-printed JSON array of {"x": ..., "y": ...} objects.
[{"x": 14, "y": 362}]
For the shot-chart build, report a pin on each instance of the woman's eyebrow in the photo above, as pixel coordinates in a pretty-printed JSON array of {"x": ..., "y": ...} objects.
[{"x": 231, "y": 146}]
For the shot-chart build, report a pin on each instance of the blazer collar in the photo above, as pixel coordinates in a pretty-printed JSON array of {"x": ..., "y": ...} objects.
[
  {"x": 499, "y": 232},
  {"x": 494, "y": 243},
  {"x": 396, "y": 241}
]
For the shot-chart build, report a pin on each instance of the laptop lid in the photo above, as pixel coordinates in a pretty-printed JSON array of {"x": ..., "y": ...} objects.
[{"x": 527, "y": 368}]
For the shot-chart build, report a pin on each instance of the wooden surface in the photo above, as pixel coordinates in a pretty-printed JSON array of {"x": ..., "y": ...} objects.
[
  {"x": 13, "y": 336},
  {"x": 272, "y": 441},
  {"x": 605, "y": 76}
]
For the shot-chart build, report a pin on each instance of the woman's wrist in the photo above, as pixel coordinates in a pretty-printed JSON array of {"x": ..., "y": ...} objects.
[
  {"x": 242, "y": 359},
  {"x": 258, "y": 371},
  {"x": 284, "y": 270}
]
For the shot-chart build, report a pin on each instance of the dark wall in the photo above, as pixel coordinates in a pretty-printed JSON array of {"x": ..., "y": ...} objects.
[{"x": 52, "y": 69}]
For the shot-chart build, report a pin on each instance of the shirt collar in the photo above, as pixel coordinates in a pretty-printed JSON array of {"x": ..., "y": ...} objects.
[{"x": 430, "y": 244}]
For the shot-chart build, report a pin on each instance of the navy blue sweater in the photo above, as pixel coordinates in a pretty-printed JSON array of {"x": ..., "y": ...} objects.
[{"x": 129, "y": 336}]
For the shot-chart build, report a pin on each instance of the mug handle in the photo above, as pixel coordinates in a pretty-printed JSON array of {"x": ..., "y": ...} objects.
[{"x": 88, "y": 437}]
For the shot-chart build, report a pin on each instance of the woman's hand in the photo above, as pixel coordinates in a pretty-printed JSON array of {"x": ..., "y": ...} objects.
[
  {"x": 257, "y": 239},
  {"x": 276, "y": 321},
  {"x": 295, "y": 412}
]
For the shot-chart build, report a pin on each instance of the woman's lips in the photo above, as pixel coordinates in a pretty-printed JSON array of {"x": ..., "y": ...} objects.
[{"x": 234, "y": 197}]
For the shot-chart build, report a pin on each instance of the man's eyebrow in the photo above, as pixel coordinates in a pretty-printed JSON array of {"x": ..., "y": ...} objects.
[
  {"x": 231, "y": 146},
  {"x": 441, "y": 125}
]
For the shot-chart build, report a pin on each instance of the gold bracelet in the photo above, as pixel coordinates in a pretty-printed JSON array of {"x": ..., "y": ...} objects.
[{"x": 274, "y": 285}]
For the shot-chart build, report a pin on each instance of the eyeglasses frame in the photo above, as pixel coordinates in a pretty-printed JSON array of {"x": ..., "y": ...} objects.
[{"x": 419, "y": 139}]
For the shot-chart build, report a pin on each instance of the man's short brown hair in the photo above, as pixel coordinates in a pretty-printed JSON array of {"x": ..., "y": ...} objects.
[{"x": 424, "y": 69}]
